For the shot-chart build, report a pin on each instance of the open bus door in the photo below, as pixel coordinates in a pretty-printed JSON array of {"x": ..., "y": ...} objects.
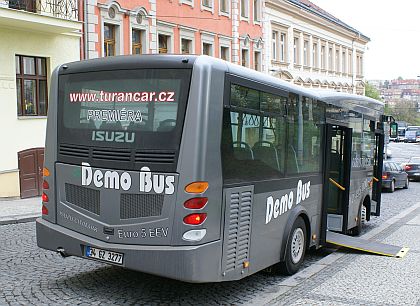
[
  {"x": 337, "y": 177},
  {"x": 377, "y": 172}
]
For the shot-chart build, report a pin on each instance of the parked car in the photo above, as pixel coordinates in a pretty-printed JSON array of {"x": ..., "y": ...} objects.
[
  {"x": 394, "y": 176},
  {"x": 412, "y": 136},
  {"x": 387, "y": 153},
  {"x": 413, "y": 168}
]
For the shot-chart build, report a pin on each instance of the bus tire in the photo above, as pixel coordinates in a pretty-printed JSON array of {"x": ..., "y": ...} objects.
[{"x": 295, "y": 248}]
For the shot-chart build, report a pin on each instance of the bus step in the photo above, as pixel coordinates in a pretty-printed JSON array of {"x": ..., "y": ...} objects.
[{"x": 360, "y": 244}]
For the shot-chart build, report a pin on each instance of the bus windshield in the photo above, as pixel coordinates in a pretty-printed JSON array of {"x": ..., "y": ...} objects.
[{"x": 124, "y": 108}]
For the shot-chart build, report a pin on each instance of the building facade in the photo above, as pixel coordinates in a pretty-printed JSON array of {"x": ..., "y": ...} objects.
[
  {"x": 310, "y": 47},
  {"x": 228, "y": 29},
  {"x": 35, "y": 37}
]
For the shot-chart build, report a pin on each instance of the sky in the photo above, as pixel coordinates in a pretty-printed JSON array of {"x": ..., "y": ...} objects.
[{"x": 393, "y": 28}]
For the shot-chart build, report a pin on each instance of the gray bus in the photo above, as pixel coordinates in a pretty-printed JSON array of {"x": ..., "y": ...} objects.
[{"x": 196, "y": 169}]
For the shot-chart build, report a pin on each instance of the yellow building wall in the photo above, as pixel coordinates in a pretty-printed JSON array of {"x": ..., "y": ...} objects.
[{"x": 20, "y": 133}]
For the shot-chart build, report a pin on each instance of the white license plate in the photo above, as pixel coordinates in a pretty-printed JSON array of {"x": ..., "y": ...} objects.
[
  {"x": 108, "y": 256},
  {"x": 416, "y": 173}
]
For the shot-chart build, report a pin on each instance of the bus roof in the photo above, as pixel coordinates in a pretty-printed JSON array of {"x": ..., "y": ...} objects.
[{"x": 340, "y": 99}]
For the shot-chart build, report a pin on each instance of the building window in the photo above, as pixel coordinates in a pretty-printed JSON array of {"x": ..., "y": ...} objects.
[
  {"x": 330, "y": 59},
  {"x": 350, "y": 63},
  {"x": 306, "y": 53},
  {"x": 224, "y": 53},
  {"x": 224, "y": 6},
  {"x": 163, "y": 43},
  {"x": 207, "y": 3},
  {"x": 137, "y": 38},
  {"x": 186, "y": 46},
  {"x": 282, "y": 47},
  {"x": 257, "y": 61},
  {"x": 343, "y": 62},
  {"x": 109, "y": 39},
  {"x": 257, "y": 9},
  {"x": 296, "y": 50},
  {"x": 245, "y": 57},
  {"x": 31, "y": 86},
  {"x": 244, "y": 8},
  {"x": 337, "y": 60},
  {"x": 322, "y": 57},
  {"x": 315, "y": 55},
  {"x": 207, "y": 49},
  {"x": 275, "y": 35}
]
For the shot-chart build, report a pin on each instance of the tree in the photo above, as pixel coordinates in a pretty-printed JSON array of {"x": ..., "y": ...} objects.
[{"x": 372, "y": 92}]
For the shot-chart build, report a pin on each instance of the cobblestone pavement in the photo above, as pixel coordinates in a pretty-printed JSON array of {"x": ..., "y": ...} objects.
[{"x": 29, "y": 275}]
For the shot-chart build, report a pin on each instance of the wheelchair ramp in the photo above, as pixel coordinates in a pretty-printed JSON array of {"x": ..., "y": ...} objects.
[{"x": 364, "y": 245}]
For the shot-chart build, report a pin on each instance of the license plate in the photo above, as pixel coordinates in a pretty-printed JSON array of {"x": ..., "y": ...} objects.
[
  {"x": 416, "y": 173},
  {"x": 108, "y": 256}
]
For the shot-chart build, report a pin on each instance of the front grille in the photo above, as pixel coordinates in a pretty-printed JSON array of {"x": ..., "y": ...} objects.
[
  {"x": 140, "y": 205},
  {"x": 86, "y": 198},
  {"x": 74, "y": 151}
]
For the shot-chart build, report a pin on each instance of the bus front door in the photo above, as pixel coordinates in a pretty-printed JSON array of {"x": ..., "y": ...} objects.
[{"x": 337, "y": 179}]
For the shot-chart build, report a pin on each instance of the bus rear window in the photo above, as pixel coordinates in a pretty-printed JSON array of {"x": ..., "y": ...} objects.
[{"x": 147, "y": 105}]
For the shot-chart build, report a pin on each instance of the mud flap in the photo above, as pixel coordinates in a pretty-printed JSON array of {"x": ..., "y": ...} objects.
[{"x": 360, "y": 244}]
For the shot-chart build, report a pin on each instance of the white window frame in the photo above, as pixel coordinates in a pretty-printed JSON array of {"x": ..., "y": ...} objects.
[
  {"x": 296, "y": 50},
  {"x": 229, "y": 8},
  {"x": 144, "y": 26},
  {"x": 207, "y": 38},
  {"x": 187, "y": 33},
  {"x": 283, "y": 47},
  {"x": 187, "y": 2},
  {"x": 226, "y": 42},
  {"x": 117, "y": 21},
  {"x": 315, "y": 53},
  {"x": 306, "y": 50},
  {"x": 207, "y": 8},
  {"x": 246, "y": 5},
  {"x": 247, "y": 60},
  {"x": 258, "y": 11},
  {"x": 167, "y": 29}
]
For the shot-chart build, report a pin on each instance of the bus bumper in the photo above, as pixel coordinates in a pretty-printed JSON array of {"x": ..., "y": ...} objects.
[{"x": 196, "y": 264}]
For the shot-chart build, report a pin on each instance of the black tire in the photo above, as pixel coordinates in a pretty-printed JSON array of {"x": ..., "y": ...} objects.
[
  {"x": 392, "y": 187},
  {"x": 407, "y": 182},
  {"x": 355, "y": 231},
  {"x": 295, "y": 248}
]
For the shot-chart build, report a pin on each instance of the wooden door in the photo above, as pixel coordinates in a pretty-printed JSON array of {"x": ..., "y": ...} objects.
[{"x": 31, "y": 162}]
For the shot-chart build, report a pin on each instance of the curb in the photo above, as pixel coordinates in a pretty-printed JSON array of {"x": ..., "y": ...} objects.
[
  {"x": 19, "y": 219},
  {"x": 300, "y": 277}
]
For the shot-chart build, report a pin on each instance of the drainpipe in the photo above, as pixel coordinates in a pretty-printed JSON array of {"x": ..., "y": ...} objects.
[{"x": 85, "y": 25}]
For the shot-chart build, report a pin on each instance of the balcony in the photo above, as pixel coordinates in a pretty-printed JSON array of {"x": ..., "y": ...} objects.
[{"x": 53, "y": 16}]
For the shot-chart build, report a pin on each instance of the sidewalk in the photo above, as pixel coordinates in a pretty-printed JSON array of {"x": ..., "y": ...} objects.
[
  {"x": 354, "y": 278},
  {"x": 19, "y": 210}
]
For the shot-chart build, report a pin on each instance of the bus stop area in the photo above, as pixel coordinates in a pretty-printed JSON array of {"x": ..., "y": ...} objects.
[
  {"x": 348, "y": 277},
  {"x": 344, "y": 277}
]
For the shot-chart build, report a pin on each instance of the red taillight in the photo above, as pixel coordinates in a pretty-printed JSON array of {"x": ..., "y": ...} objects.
[
  {"x": 385, "y": 176},
  {"x": 195, "y": 219},
  {"x": 44, "y": 210},
  {"x": 407, "y": 167},
  {"x": 45, "y": 185},
  {"x": 196, "y": 203},
  {"x": 45, "y": 197}
]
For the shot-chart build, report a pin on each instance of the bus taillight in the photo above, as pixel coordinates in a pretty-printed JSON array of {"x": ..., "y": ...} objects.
[
  {"x": 45, "y": 197},
  {"x": 196, "y": 203},
  {"x": 45, "y": 172},
  {"x": 45, "y": 185},
  {"x": 44, "y": 210},
  {"x": 195, "y": 219}
]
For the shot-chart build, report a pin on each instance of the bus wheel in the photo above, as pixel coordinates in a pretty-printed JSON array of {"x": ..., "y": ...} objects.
[{"x": 296, "y": 247}]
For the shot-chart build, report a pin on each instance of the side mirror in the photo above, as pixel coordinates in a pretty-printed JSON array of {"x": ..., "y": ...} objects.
[{"x": 393, "y": 130}]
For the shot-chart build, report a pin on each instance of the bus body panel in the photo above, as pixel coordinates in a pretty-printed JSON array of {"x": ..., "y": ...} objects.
[{"x": 247, "y": 224}]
